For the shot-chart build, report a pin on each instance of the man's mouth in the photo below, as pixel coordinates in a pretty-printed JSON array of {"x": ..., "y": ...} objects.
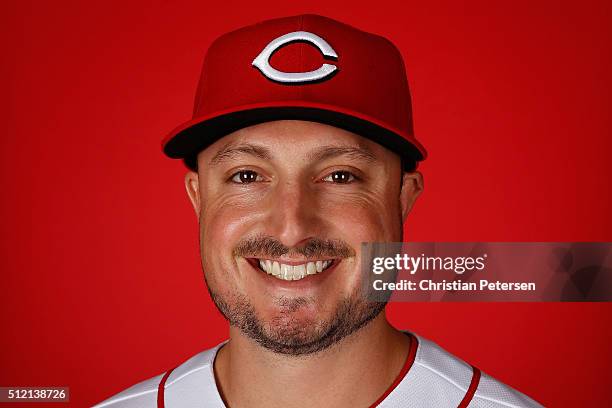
[{"x": 293, "y": 272}]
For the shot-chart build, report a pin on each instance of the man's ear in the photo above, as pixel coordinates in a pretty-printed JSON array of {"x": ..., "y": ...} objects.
[
  {"x": 192, "y": 185},
  {"x": 412, "y": 185}
]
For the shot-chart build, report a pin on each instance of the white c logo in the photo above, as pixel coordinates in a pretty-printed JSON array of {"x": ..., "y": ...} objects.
[{"x": 262, "y": 61}]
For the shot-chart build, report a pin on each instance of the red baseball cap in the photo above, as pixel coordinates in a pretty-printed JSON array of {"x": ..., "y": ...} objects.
[{"x": 305, "y": 67}]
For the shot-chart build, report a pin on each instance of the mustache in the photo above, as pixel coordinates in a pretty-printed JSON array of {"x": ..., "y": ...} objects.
[{"x": 270, "y": 247}]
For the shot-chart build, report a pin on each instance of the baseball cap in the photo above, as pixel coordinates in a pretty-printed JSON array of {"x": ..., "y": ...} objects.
[{"x": 305, "y": 67}]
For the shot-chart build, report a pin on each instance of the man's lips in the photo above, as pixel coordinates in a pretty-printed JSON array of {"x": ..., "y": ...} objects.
[{"x": 292, "y": 270}]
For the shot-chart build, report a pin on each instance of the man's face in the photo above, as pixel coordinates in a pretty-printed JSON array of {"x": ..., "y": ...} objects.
[{"x": 283, "y": 209}]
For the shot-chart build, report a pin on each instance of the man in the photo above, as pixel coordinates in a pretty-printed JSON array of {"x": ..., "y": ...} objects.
[{"x": 300, "y": 149}]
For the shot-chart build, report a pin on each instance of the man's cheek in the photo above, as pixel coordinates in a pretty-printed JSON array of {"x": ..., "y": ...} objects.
[
  {"x": 359, "y": 220},
  {"x": 227, "y": 223},
  {"x": 220, "y": 269}
]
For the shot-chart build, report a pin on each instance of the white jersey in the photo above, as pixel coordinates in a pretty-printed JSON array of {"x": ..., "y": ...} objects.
[{"x": 434, "y": 378}]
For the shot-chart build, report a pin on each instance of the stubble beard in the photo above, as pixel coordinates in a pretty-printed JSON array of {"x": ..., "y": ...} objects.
[{"x": 286, "y": 335}]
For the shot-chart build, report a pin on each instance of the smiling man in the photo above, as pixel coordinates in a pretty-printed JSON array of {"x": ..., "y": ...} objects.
[{"x": 300, "y": 149}]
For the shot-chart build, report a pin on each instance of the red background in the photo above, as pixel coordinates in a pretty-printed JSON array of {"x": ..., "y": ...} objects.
[{"x": 101, "y": 282}]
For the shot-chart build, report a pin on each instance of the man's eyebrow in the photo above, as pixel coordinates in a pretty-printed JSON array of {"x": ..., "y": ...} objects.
[
  {"x": 328, "y": 152},
  {"x": 231, "y": 150}
]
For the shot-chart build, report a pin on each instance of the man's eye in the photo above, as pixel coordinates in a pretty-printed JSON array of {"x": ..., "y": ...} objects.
[
  {"x": 246, "y": 176},
  {"x": 341, "y": 177}
]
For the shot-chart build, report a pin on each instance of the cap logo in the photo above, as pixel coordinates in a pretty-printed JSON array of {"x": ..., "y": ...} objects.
[{"x": 262, "y": 61}]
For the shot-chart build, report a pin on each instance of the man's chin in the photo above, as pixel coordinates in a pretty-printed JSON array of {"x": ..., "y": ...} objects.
[
  {"x": 291, "y": 336},
  {"x": 296, "y": 332}
]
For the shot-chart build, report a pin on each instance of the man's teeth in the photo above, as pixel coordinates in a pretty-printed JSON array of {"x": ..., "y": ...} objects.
[{"x": 293, "y": 272}]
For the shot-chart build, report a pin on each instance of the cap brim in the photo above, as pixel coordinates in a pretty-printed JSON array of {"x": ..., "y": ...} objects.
[{"x": 199, "y": 133}]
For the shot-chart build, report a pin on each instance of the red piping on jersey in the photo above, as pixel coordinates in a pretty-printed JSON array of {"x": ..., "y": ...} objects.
[
  {"x": 161, "y": 389},
  {"x": 472, "y": 389},
  {"x": 409, "y": 360}
]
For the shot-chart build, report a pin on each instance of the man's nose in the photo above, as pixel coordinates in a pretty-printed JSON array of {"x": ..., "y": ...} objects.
[{"x": 293, "y": 215}]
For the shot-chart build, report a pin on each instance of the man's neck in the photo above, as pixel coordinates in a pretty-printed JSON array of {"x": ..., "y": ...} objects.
[{"x": 355, "y": 372}]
